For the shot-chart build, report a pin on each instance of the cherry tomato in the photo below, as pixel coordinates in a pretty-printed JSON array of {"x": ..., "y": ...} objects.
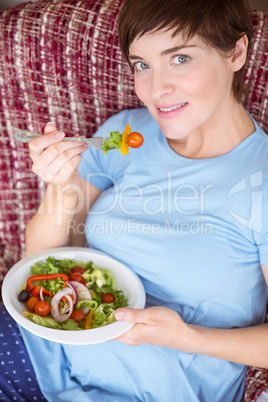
[
  {"x": 78, "y": 316},
  {"x": 76, "y": 277},
  {"x": 108, "y": 298},
  {"x": 35, "y": 290},
  {"x": 78, "y": 269},
  {"x": 31, "y": 302},
  {"x": 134, "y": 140},
  {"x": 42, "y": 308}
]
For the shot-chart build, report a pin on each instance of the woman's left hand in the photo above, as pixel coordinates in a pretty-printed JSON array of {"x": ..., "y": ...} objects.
[
  {"x": 159, "y": 326},
  {"x": 162, "y": 326}
]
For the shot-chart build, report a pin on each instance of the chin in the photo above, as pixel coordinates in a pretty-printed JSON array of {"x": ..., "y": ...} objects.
[
  {"x": 171, "y": 129},
  {"x": 174, "y": 134}
]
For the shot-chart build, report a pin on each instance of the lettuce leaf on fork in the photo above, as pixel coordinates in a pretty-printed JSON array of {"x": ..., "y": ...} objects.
[{"x": 115, "y": 141}]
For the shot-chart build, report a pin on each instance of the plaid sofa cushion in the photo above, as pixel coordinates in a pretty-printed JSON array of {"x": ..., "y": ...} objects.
[
  {"x": 256, "y": 382},
  {"x": 60, "y": 62}
]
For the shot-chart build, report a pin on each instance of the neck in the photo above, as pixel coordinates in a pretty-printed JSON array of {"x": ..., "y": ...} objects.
[{"x": 214, "y": 139}]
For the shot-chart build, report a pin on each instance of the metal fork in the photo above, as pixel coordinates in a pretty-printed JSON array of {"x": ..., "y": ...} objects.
[{"x": 95, "y": 142}]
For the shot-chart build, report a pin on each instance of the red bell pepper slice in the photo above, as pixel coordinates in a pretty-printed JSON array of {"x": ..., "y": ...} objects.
[{"x": 33, "y": 288}]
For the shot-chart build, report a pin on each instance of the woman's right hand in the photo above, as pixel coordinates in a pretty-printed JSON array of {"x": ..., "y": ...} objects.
[{"x": 54, "y": 161}]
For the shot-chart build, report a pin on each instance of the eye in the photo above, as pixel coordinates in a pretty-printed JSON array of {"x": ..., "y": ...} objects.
[
  {"x": 140, "y": 65},
  {"x": 180, "y": 59}
]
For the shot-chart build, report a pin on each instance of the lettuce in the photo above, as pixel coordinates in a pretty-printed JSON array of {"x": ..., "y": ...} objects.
[
  {"x": 53, "y": 285},
  {"x": 111, "y": 318},
  {"x": 100, "y": 319},
  {"x": 109, "y": 279},
  {"x": 104, "y": 309},
  {"x": 44, "y": 321},
  {"x": 115, "y": 141},
  {"x": 120, "y": 300},
  {"x": 48, "y": 322},
  {"x": 86, "y": 303},
  {"x": 54, "y": 266},
  {"x": 94, "y": 277},
  {"x": 70, "y": 325},
  {"x": 100, "y": 277},
  {"x": 44, "y": 268}
]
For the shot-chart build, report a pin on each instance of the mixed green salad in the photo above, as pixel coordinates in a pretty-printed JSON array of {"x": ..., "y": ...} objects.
[{"x": 70, "y": 295}]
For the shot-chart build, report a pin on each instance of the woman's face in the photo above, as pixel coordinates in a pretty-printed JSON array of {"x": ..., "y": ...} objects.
[{"x": 185, "y": 86}]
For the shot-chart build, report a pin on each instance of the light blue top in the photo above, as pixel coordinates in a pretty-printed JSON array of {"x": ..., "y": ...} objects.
[{"x": 195, "y": 231}]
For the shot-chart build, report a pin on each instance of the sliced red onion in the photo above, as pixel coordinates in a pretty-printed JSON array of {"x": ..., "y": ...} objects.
[
  {"x": 65, "y": 308},
  {"x": 41, "y": 293},
  {"x": 83, "y": 294},
  {"x": 71, "y": 305},
  {"x": 55, "y": 305},
  {"x": 70, "y": 284}
]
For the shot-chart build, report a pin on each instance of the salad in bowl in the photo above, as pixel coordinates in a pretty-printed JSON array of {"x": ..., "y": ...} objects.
[{"x": 69, "y": 295}]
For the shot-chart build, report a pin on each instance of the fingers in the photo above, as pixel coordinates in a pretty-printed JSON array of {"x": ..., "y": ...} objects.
[
  {"x": 139, "y": 317},
  {"x": 54, "y": 160},
  {"x": 56, "y": 156},
  {"x": 68, "y": 169},
  {"x": 58, "y": 172},
  {"x": 50, "y": 128},
  {"x": 153, "y": 326},
  {"x": 52, "y": 136},
  {"x": 131, "y": 315}
]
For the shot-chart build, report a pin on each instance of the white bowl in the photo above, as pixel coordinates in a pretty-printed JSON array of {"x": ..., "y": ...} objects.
[{"x": 126, "y": 279}]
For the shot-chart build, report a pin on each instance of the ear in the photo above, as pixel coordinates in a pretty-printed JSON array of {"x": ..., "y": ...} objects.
[{"x": 239, "y": 55}]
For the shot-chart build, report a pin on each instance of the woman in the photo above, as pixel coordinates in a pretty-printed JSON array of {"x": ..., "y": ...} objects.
[{"x": 186, "y": 211}]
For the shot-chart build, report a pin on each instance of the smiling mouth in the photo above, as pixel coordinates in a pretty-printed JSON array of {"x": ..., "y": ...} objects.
[{"x": 169, "y": 109}]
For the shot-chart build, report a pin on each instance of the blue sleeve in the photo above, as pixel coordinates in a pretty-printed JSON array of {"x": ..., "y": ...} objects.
[
  {"x": 260, "y": 212},
  {"x": 102, "y": 170}
]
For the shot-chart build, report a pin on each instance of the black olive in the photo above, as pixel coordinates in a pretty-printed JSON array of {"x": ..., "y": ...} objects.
[{"x": 24, "y": 295}]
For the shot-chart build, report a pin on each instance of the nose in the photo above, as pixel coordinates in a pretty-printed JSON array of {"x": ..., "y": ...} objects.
[{"x": 160, "y": 84}]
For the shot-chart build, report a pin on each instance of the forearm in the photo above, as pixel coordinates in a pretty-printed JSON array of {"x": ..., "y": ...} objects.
[
  {"x": 247, "y": 346},
  {"x": 49, "y": 226},
  {"x": 162, "y": 326}
]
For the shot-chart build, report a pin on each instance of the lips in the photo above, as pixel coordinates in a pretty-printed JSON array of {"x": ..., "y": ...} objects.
[{"x": 169, "y": 111}]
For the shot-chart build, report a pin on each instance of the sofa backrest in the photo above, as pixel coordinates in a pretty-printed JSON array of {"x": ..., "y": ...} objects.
[{"x": 60, "y": 62}]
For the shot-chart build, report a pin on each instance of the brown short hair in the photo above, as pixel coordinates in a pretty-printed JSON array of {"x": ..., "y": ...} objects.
[{"x": 220, "y": 24}]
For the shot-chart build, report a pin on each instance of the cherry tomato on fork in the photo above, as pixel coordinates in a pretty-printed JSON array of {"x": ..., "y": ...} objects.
[{"x": 134, "y": 140}]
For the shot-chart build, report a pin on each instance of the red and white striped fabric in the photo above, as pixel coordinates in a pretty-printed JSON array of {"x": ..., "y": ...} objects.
[{"x": 60, "y": 62}]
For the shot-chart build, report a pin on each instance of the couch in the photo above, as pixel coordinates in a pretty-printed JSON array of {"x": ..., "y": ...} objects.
[{"x": 60, "y": 62}]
